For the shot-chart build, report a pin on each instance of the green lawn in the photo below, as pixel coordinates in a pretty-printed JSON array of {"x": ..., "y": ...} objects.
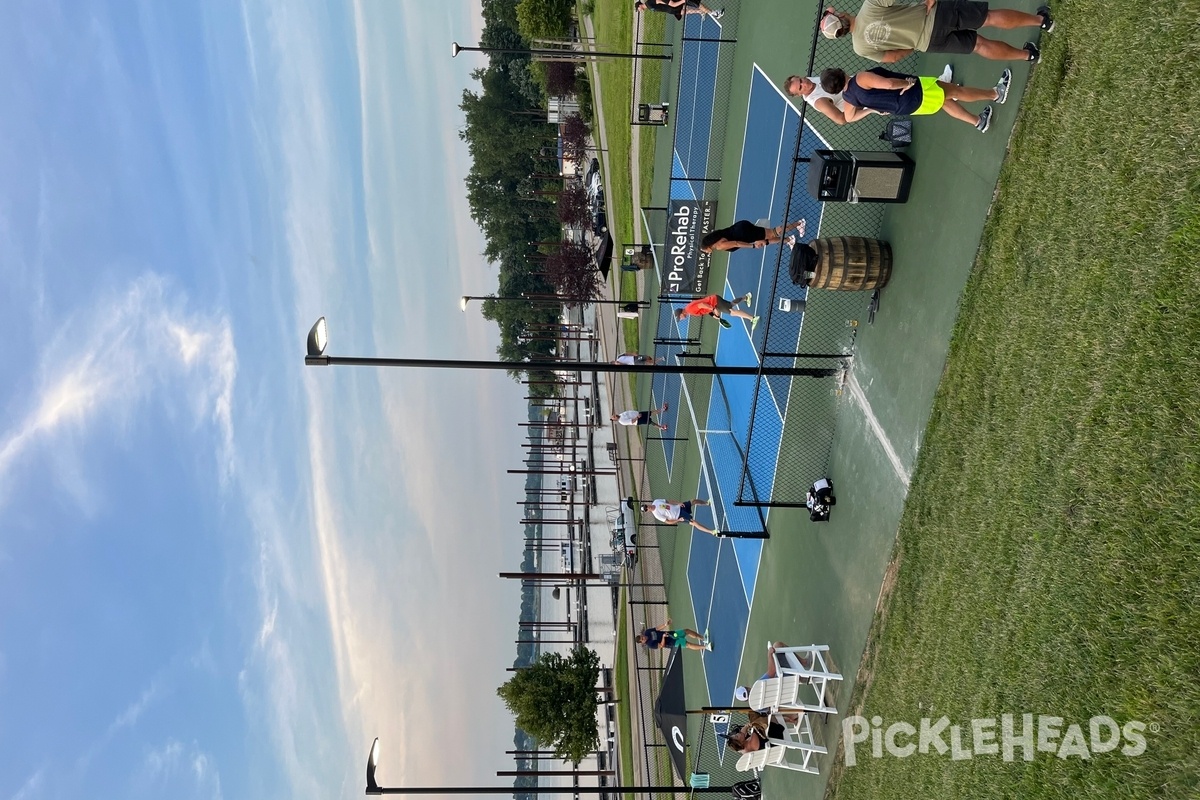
[
  {"x": 1049, "y": 553},
  {"x": 625, "y": 690}
]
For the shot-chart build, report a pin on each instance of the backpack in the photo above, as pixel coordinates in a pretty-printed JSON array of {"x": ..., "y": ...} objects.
[
  {"x": 820, "y": 500},
  {"x": 898, "y": 132},
  {"x": 747, "y": 790}
]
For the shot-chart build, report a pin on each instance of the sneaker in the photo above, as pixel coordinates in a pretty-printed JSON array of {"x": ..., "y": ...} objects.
[
  {"x": 753, "y": 323},
  {"x": 1047, "y": 20},
  {"x": 665, "y": 407},
  {"x": 749, "y": 299},
  {"x": 985, "y": 120},
  {"x": 706, "y": 639},
  {"x": 708, "y": 646},
  {"x": 947, "y": 75},
  {"x": 724, "y": 322},
  {"x": 1002, "y": 86},
  {"x": 1035, "y": 55},
  {"x": 716, "y": 15},
  {"x": 717, "y": 533}
]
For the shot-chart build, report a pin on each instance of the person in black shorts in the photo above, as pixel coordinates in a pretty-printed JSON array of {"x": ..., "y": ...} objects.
[
  {"x": 886, "y": 31},
  {"x": 677, "y": 8},
  {"x": 883, "y": 91},
  {"x": 745, "y": 233}
]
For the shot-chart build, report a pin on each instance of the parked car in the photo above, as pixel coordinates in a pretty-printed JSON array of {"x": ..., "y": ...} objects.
[
  {"x": 599, "y": 220},
  {"x": 595, "y": 194},
  {"x": 623, "y": 541}
]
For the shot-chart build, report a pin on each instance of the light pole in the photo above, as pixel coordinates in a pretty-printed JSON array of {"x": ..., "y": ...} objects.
[
  {"x": 456, "y": 48},
  {"x": 373, "y": 787},
  {"x": 318, "y": 338},
  {"x": 467, "y": 298},
  {"x": 543, "y": 298}
]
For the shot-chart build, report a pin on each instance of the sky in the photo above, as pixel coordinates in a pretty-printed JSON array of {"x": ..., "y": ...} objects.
[{"x": 223, "y": 573}]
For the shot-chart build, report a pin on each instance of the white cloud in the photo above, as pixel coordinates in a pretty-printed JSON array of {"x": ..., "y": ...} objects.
[
  {"x": 127, "y": 718},
  {"x": 379, "y": 546},
  {"x": 32, "y": 786},
  {"x": 182, "y": 771},
  {"x": 108, "y": 359}
]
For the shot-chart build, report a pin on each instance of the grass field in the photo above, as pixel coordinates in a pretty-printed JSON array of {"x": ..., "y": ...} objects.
[
  {"x": 613, "y": 25},
  {"x": 1048, "y": 560}
]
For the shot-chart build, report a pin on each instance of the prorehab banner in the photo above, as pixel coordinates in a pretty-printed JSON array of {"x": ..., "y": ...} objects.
[{"x": 685, "y": 268}]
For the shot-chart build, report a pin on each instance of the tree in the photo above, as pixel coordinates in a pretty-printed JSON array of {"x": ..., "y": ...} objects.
[
  {"x": 573, "y": 274},
  {"x": 574, "y": 210},
  {"x": 560, "y": 78},
  {"x": 575, "y": 135},
  {"x": 544, "y": 19},
  {"x": 555, "y": 702}
]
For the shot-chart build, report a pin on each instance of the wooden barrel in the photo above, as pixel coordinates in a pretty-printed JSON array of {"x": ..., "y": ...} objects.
[{"x": 851, "y": 264}]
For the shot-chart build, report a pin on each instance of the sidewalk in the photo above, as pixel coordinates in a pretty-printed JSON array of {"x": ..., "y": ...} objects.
[{"x": 620, "y": 396}]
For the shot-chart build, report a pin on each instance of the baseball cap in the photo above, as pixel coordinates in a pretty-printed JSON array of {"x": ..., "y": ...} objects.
[
  {"x": 831, "y": 25},
  {"x": 741, "y": 694}
]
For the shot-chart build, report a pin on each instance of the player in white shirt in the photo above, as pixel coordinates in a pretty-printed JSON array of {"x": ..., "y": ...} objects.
[
  {"x": 673, "y": 512},
  {"x": 635, "y": 417}
]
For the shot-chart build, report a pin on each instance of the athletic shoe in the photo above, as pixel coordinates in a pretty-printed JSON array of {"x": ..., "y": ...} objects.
[
  {"x": 749, "y": 299},
  {"x": 724, "y": 322},
  {"x": 716, "y": 533},
  {"x": 665, "y": 407},
  {"x": 1002, "y": 86},
  {"x": 753, "y": 323},
  {"x": 1034, "y": 54},
  {"x": 708, "y": 646},
  {"x": 947, "y": 75},
  {"x": 985, "y": 120},
  {"x": 706, "y": 640},
  {"x": 716, "y": 15},
  {"x": 1047, "y": 20}
]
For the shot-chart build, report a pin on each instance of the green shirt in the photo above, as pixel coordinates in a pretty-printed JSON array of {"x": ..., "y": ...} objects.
[{"x": 881, "y": 25}]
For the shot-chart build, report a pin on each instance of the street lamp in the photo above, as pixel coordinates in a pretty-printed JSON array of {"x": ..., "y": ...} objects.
[
  {"x": 373, "y": 787},
  {"x": 456, "y": 48},
  {"x": 318, "y": 338},
  {"x": 467, "y": 298},
  {"x": 534, "y": 297}
]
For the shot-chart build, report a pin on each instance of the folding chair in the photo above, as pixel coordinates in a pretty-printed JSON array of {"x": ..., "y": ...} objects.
[
  {"x": 809, "y": 663},
  {"x": 783, "y": 694},
  {"x": 797, "y": 735},
  {"x": 757, "y": 760}
]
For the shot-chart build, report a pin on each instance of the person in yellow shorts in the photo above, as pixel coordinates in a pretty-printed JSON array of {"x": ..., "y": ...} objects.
[{"x": 881, "y": 91}]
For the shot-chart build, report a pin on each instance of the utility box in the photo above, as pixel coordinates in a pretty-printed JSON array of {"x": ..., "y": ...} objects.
[
  {"x": 859, "y": 176},
  {"x": 653, "y": 114}
]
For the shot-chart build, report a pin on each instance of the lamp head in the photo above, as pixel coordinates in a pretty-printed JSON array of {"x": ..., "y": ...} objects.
[
  {"x": 372, "y": 762},
  {"x": 462, "y": 304},
  {"x": 454, "y": 49},
  {"x": 318, "y": 337}
]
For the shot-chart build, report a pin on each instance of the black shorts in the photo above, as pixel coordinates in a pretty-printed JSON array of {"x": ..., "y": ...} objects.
[
  {"x": 724, "y": 306},
  {"x": 954, "y": 26},
  {"x": 745, "y": 231}
]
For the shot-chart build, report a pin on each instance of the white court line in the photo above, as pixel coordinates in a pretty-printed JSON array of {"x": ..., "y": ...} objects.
[{"x": 873, "y": 423}]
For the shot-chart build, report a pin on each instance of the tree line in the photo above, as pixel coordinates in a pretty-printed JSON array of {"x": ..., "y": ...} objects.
[{"x": 514, "y": 191}]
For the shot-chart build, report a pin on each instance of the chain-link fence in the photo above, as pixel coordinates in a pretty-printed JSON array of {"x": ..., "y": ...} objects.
[
  {"x": 782, "y": 453},
  {"x": 824, "y": 332}
]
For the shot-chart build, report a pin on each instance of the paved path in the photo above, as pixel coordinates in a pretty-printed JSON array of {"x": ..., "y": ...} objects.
[{"x": 616, "y": 388}]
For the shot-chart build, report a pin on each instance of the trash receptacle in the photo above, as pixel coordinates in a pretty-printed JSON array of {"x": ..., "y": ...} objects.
[{"x": 649, "y": 114}]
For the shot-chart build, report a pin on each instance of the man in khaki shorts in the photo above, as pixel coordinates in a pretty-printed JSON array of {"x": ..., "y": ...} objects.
[{"x": 886, "y": 31}]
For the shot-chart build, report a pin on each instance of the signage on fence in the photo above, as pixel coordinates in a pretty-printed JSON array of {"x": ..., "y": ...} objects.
[{"x": 685, "y": 268}]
